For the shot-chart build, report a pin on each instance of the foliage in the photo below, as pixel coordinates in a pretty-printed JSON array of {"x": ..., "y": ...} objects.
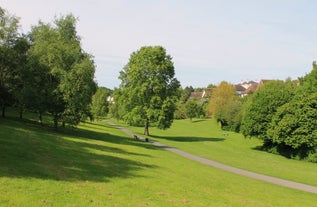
[
  {"x": 149, "y": 90},
  {"x": 9, "y": 25},
  {"x": 264, "y": 103},
  {"x": 191, "y": 109},
  {"x": 309, "y": 82},
  {"x": 211, "y": 85},
  {"x": 230, "y": 115},
  {"x": 100, "y": 104},
  {"x": 180, "y": 112},
  {"x": 222, "y": 95},
  {"x": 185, "y": 93},
  {"x": 23, "y": 77},
  {"x": 69, "y": 71},
  {"x": 294, "y": 124}
]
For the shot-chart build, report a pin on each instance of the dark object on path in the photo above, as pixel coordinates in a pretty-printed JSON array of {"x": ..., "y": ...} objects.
[
  {"x": 147, "y": 139},
  {"x": 136, "y": 137}
]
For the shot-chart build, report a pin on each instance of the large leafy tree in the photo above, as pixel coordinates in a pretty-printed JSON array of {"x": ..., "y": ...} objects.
[
  {"x": 294, "y": 124},
  {"x": 69, "y": 71},
  {"x": 22, "y": 77},
  {"x": 149, "y": 89},
  {"x": 264, "y": 104},
  {"x": 9, "y": 25}
]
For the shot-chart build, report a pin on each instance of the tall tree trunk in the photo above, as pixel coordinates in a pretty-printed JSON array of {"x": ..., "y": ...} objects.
[{"x": 146, "y": 128}]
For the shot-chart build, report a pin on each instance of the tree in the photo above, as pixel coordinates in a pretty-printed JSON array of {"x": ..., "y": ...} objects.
[
  {"x": 9, "y": 25},
  {"x": 100, "y": 105},
  {"x": 231, "y": 115},
  {"x": 69, "y": 70},
  {"x": 192, "y": 109},
  {"x": 264, "y": 104},
  {"x": 309, "y": 82},
  {"x": 185, "y": 93},
  {"x": 22, "y": 76},
  {"x": 149, "y": 89},
  {"x": 211, "y": 85},
  {"x": 294, "y": 124},
  {"x": 220, "y": 97},
  {"x": 180, "y": 112}
]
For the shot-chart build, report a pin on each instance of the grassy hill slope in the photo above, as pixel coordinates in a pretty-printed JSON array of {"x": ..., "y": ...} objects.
[
  {"x": 206, "y": 139},
  {"x": 98, "y": 165}
]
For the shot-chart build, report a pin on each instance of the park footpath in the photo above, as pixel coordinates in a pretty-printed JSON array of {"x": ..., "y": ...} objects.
[{"x": 257, "y": 176}]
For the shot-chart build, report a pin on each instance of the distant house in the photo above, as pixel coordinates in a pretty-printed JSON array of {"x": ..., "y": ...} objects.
[
  {"x": 206, "y": 93},
  {"x": 253, "y": 87},
  {"x": 246, "y": 87},
  {"x": 239, "y": 89},
  {"x": 196, "y": 95},
  {"x": 247, "y": 84}
]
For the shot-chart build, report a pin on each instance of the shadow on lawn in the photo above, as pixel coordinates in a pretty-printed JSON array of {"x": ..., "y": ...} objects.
[
  {"x": 189, "y": 139},
  {"x": 71, "y": 155}
]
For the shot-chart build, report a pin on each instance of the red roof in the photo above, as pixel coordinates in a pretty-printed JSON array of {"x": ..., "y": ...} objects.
[{"x": 251, "y": 88}]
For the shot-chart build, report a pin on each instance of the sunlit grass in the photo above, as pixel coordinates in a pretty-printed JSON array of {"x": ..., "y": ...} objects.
[
  {"x": 205, "y": 138},
  {"x": 98, "y": 165}
]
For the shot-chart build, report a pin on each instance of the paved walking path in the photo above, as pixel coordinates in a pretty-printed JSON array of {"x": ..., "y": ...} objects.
[{"x": 270, "y": 179}]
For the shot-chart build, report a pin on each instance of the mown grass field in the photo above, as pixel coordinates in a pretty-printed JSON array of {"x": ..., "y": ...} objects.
[
  {"x": 206, "y": 139},
  {"x": 98, "y": 165}
]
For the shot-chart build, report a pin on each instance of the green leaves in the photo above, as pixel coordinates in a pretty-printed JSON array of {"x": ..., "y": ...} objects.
[
  {"x": 265, "y": 102},
  {"x": 294, "y": 124},
  {"x": 148, "y": 88},
  {"x": 100, "y": 105},
  {"x": 70, "y": 85}
]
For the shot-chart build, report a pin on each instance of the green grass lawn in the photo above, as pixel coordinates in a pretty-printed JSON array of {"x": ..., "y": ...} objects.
[
  {"x": 205, "y": 138},
  {"x": 98, "y": 165}
]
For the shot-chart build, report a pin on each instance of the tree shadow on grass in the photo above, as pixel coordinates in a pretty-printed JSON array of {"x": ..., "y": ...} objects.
[
  {"x": 31, "y": 151},
  {"x": 189, "y": 139}
]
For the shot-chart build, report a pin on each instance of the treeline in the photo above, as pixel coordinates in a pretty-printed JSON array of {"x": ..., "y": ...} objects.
[
  {"x": 281, "y": 113},
  {"x": 46, "y": 70},
  {"x": 192, "y": 107}
]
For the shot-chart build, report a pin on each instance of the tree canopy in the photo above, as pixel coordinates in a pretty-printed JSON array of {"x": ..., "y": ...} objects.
[
  {"x": 148, "y": 90},
  {"x": 222, "y": 95},
  {"x": 100, "y": 104},
  {"x": 68, "y": 69},
  {"x": 264, "y": 103},
  {"x": 9, "y": 25},
  {"x": 294, "y": 124}
]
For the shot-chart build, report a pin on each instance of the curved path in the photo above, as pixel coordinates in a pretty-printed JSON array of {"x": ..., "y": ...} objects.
[{"x": 269, "y": 179}]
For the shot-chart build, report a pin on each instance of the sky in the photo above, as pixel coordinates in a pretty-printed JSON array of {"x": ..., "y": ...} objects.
[{"x": 209, "y": 40}]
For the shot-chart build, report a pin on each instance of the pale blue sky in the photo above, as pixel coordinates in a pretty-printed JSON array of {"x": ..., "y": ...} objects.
[{"x": 210, "y": 41}]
